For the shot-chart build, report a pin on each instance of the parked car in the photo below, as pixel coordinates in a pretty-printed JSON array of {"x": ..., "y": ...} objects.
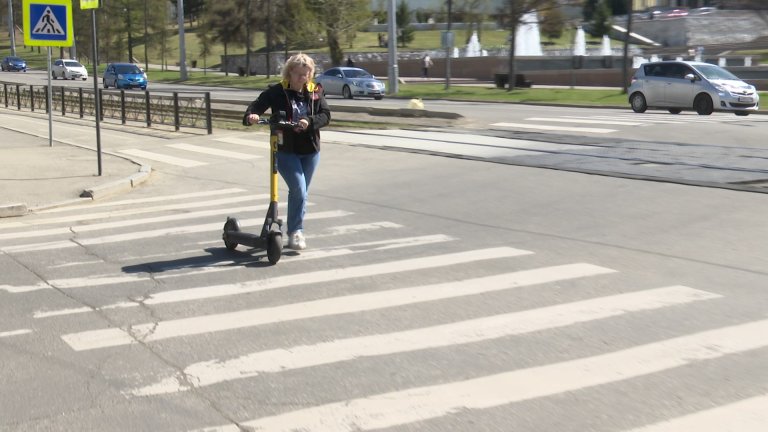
[
  {"x": 350, "y": 82},
  {"x": 124, "y": 76},
  {"x": 684, "y": 85},
  {"x": 68, "y": 69},
  {"x": 11, "y": 63},
  {"x": 706, "y": 10}
]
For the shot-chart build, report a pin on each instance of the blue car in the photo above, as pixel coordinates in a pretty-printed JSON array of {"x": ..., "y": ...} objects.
[
  {"x": 11, "y": 63},
  {"x": 124, "y": 76}
]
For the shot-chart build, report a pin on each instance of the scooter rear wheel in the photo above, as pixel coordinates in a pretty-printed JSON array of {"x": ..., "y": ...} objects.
[
  {"x": 274, "y": 247},
  {"x": 231, "y": 225}
]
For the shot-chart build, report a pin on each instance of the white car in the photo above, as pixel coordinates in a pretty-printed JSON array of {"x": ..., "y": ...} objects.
[
  {"x": 685, "y": 85},
  {"x": 68, "y": 69}
]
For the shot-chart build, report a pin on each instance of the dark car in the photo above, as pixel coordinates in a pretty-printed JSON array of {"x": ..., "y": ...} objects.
[
  {"x": 11, "y": 63},
  {"x": 124, "y": 76},
  {"x": 350, "y": 82}
]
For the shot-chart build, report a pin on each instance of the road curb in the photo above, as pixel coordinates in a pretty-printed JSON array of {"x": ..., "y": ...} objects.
[{"x": 118, "y": 186}]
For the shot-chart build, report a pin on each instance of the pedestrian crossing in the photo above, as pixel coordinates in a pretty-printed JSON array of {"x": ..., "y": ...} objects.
[
  {"x": 409, "y": 303},
  {"x": 590, "y": 124},
  {"x": 171, "y": 153}
]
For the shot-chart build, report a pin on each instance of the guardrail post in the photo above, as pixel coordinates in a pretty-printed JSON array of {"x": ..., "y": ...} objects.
[
  {"x": 5, "y": 93},
  {"x": 18, "y": 96},
  {"x": 122, "y": 106},
  {"x": 63, "y": 102},
  {"x": 32, "y": 97},
  {"x": 148, "y": 109},
  {"x": 101, "y": 105},
  {"x": 80, "y": 98},
  {"x": 176, "y": 120},
  {"x": 208, "y": 116},
  {"x": 47, "y": 102}
]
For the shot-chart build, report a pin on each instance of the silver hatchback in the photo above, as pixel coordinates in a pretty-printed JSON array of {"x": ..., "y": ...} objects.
[{"x": 684, "y": 85}]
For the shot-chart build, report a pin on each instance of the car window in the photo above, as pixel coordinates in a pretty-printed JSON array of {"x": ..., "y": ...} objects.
[
  {"x": 57, "y": 63},
  {"x": 127, "y": 69},
  {"x": 332, "y": 72},
  {"x": 716, "y": 73},
  {"x": 653, "y": 70},
  {"x": 356, "y": 73},
  {"x": 72, "y": 63}
]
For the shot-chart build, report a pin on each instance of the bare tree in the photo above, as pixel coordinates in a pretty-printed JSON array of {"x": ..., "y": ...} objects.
[{"x": 511, "y": 16}]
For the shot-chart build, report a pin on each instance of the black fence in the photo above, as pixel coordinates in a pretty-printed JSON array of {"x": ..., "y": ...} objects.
[{"x": 180, "y": 110}]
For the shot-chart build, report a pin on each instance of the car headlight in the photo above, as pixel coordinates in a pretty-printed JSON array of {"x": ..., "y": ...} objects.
[
  {"x": 120, "y": 76},
  {"x": 356, "y": 84},
  {"x": 144, "y": 75}
]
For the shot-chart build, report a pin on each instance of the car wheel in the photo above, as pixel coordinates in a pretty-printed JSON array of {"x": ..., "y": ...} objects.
[
  {"x": 703, "y": 104},
  {"x": 378, "y": 97},
  {"x": 741, "y": 113},
  {"x": 104, "y": 83},
  {"x": 53, "y": 75},
  {"x": 638, "y": 103},
  {"x": 346, "y": 92},
  {"x": 675, "y": 110}
]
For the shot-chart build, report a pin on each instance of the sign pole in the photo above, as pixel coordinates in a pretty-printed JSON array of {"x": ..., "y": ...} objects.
[
  {"x": 96, "y": 95},
  {"x": 50, "y": 102}
]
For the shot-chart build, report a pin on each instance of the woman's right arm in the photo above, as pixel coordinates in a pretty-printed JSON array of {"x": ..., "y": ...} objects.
[{"x": 256, "y": 109}]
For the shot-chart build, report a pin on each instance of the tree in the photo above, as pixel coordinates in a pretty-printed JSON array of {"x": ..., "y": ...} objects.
[
  {"x": 601, "y": 19},
  {"x": 338, "y": 17},
  {"x": 474, "y": 12},
  {"x": 223, "y": 24},
  {"x": 511, "y": 16},
  {"x": 552, "y": 23},
  {"x": 405, "y": 34}
]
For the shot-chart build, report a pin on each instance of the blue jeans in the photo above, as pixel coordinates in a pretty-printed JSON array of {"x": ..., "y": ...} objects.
[{"x": 297, "y": 171}]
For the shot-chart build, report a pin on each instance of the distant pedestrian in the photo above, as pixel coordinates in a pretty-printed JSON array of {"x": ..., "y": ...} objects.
[
  {"x": 350, "y": 63},
  {"x": 426, "y": 63}
]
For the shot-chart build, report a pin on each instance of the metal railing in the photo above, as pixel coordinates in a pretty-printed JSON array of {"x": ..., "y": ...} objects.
[{"x": 180, "y": 110}]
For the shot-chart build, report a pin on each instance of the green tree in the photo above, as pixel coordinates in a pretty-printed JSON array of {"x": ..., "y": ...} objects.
[
  {"x": 338, "y": 18},
  {"x": 552, "y": 23},
  {"x": 405, "y": 32},
  {"x": 475, "y": 13},
  {"x": 601, "y": 19},
  {"x": 224, "y": 24}
]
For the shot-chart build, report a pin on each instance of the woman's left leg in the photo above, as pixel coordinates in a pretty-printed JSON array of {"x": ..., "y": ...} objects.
[{"x": 297, "y": 171}]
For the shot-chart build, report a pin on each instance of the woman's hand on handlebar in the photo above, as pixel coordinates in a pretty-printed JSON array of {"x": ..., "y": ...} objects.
[
  {"x": 253, "y": 118},
  {"x": 303, "y": 124}
]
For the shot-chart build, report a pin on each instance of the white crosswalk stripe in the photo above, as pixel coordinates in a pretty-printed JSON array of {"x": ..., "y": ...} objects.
[
  {"x": 423, "y": 403},
  {"x": 177, "y": 305}
]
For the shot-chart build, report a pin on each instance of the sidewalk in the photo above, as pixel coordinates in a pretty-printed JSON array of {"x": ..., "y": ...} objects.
[{"x": 36, "y": 176}]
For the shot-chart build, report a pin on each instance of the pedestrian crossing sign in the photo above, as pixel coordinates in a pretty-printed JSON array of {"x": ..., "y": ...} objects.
[{"x": 48, "y": 23}]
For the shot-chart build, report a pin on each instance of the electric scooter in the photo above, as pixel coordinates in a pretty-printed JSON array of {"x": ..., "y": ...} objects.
[{"x": 271, "y": 237}]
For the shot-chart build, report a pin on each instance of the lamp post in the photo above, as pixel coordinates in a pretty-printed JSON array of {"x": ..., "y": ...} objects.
[
  {"x": 182, "y": 48},
  {"x": 392, "y": 45},
  {"x": 625, "y": 71},
  {"x": 12, "y": 28},
  {"x": 448, "y": 48}
]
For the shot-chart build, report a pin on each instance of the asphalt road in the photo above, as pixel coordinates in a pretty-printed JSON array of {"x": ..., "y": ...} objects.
[{"x": 448, "y": 285}]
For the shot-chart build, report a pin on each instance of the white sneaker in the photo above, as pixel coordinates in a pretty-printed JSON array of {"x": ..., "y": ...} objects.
[{"x": 296, "y": 241}]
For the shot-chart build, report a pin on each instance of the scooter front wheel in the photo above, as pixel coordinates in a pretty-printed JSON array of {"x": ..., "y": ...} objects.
[
  {"x": 231, "y": 225},
  {"x": 274, "y": 247}
]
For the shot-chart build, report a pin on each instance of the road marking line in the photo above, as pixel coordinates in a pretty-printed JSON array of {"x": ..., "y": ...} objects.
[
  {"x": 14, "y": 333},
  {"x": 463, "y": 332},
  {"x": 424, "y": 403},
  {"x": 142, "y": 221},
  {"x": 244, "y": 142},
  {"x": 552, "y": 128},
  {"x": 748, "y": 415},
  {"x": 163, "y": 198},
  {"x": 213, "y": 151},
  {"x": 171, "y": 160},
  {"x": 139, "y": 235},
  {"x": 218, "y": 322},
  {"x": 583, "y": 121}
]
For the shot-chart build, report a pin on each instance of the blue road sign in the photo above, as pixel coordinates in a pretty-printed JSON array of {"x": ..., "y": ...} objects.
[{"x": 48, "y": 22}]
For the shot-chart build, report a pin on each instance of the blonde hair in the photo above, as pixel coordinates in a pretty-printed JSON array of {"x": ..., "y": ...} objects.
[{"x": 298, "y": 60}]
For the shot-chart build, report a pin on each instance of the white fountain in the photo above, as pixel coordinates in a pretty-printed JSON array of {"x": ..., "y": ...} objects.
[
  {"x": 527, "y": 38},
  {"x": 580, "y": 43},
  {"x": 473, "y": 46},
  {"x": 605, "y": 47}
]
